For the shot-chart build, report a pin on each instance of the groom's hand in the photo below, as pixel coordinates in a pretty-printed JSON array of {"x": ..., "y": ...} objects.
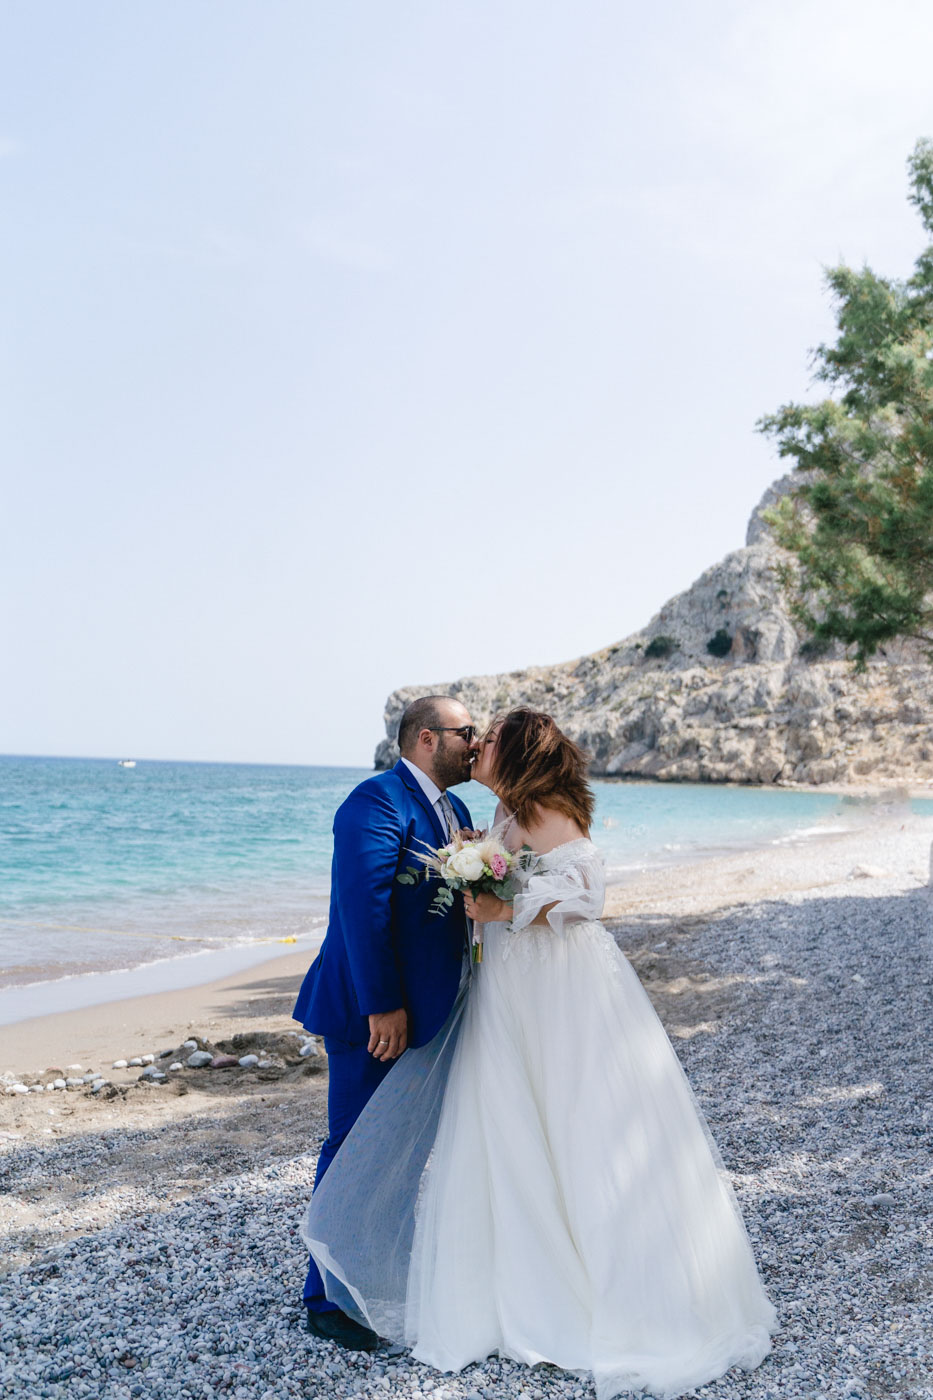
[{"x": 388, "y": 1034}]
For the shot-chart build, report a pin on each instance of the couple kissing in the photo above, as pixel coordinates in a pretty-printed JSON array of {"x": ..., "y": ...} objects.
[{"x": 514, "y": 1162}]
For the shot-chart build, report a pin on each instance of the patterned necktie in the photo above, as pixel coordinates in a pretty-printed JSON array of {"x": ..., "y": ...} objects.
[{"x": 448, "y": 814}]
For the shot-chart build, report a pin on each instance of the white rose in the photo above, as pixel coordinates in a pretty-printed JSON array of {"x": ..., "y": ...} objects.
[{"x": 467, "y": 864}]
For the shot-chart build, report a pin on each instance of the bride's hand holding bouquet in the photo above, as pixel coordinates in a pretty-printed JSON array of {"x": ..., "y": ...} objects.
[
  {"x": 486, "y": 908},
  {"x": 479, "y": 867}
]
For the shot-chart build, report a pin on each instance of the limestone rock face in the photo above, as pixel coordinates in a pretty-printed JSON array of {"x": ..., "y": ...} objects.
[
  {"x": 715, "y": 689},
  {"x": 738, "y": 599},
  {"x": 759, "y": 531}
]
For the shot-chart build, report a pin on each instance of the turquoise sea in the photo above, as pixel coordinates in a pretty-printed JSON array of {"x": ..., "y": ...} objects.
[{"x": 166, "y": 866}]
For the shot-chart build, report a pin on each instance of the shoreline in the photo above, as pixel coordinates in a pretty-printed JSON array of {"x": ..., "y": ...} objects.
[
  {"x": 895, "y": 845},
  {"x": 96, "y": 1035},
  {"x": 95, "y": 986},
  {"x": 884, "y": 847},
  {"x": 879, "y": 791}
]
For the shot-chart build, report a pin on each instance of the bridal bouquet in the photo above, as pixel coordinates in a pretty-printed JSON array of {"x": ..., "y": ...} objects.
[{"x": 475, "y": 863}]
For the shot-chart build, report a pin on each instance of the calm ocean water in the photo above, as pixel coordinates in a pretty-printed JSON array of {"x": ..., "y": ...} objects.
[{"x": 104, "y": 867}]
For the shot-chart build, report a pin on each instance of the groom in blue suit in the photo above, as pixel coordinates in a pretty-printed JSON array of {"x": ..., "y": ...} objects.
[{"x": 388, "y": 971}]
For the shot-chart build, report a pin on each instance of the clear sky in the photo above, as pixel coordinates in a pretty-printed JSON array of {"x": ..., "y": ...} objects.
[{"x": 352, "y": 345}]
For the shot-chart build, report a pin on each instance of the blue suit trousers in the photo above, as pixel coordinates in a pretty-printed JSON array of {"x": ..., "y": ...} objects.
[{"x": 354, "y": 1077}]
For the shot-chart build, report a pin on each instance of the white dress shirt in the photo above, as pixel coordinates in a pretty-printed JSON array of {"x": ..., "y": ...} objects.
[{"x": 431, "y": 791}]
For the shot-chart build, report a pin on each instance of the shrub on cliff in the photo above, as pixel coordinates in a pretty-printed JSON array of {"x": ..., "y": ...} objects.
[
  {"x": 661, "y": 647},
  {"x": 720, "y": 643},
  {"x": 861, "y": 520},
  {"x": 815, "y": 648}
]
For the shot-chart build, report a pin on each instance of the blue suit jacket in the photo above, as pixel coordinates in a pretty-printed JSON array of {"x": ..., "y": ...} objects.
[{"x": 383, "y": 949}]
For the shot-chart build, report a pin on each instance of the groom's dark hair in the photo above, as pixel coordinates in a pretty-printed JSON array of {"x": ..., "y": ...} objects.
[{"x": 420, "y": 714}]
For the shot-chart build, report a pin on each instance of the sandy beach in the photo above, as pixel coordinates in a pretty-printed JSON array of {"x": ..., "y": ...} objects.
[
  {"x": 261, "y": 997},
  {"x": 794, "y": 982}
]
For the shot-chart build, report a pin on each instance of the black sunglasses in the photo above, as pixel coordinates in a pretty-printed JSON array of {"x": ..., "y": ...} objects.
[{"x": 467, "y": 732}]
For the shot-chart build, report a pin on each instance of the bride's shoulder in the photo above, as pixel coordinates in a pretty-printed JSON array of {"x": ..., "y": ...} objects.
[{"x": 551, "y": 828}]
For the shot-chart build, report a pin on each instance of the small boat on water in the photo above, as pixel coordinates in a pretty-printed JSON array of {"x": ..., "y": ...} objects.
[{"x": 127, "y": 762}]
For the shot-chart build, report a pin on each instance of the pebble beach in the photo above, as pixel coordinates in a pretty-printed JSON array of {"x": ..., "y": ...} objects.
[{"x": 150, "y": 1210}]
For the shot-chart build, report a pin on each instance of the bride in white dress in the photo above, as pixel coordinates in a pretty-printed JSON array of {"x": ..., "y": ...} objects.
[{"x": 539, "y": 1181}]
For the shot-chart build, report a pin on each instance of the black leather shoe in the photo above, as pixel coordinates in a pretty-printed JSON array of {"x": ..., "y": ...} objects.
[{"x": 335, "y": 1326}]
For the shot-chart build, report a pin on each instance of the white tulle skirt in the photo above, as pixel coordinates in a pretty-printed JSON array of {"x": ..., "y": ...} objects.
[{"x": 538, "y": 1182}]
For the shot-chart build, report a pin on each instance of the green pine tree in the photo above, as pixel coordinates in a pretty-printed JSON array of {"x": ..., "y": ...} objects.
[{"x": 860, "y": 520}]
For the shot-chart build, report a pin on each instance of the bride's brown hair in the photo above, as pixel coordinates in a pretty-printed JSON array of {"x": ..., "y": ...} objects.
[{"x": 538, "y": 766}]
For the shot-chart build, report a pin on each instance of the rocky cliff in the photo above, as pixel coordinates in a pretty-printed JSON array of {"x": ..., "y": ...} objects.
[{"x": 719, "y": 688}]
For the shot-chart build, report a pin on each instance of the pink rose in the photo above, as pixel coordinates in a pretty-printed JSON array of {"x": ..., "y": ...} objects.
[{"x": 498, "y": 865}]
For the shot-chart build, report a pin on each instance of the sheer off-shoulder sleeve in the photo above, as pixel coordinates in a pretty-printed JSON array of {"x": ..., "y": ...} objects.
[{"x": 571, "y": 878}]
